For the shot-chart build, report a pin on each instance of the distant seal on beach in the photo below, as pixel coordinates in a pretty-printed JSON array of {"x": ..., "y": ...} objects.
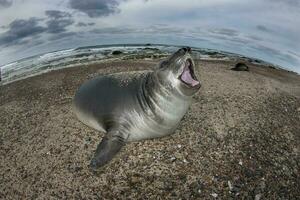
[
  {"x": 137, "y": 105},
  {"x": 240, "y": 67}
]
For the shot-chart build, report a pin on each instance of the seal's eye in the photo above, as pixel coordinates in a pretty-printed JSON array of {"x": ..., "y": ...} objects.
[{"x": 163, "y": 64}]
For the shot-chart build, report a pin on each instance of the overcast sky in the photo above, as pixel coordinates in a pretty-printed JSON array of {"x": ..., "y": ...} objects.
[{"x": 266, "y": 29}]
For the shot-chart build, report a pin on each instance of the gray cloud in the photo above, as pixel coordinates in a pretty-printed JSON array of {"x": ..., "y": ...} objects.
[
  {"x": 228, "y": 35},
  {"x": 154, "y": 29},
  {"x": 224, "y": 31},
  {"x": 95, "y": 8},
  {"x": 235, "y": 39},
  {"x": 294, "y": 53},
  {"x": 113, "y": 30},
  {"x": 276, "y": 53},
  {"x": 19, "y": 30},
  {"x": 82, "y": 24},
  {"x": 286, "y": 2},
  {"x": 56, "y": 14},
  {"x": 58, "y": 21},
  {"x": 5, "y": 3},
  {"x": 62, "y": 35},
  {"x": 264, "y": 29},
  {"x": 162, "y": 29},
  {"x": 255, "y": 37},
  {"x": 267, "y": 49}
]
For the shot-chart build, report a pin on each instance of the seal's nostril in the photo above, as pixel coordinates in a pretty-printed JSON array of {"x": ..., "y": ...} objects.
[{"x": 185, "y": 49}]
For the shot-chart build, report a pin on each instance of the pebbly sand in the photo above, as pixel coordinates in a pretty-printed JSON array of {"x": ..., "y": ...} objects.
[{"x": 240, "y": 139}]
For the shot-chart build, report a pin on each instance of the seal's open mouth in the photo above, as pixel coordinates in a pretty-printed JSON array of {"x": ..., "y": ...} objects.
[{"x": 188, "y": 76}]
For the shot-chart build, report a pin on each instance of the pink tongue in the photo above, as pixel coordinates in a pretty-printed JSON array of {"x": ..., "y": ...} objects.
[{"x": 187, "y": 77}]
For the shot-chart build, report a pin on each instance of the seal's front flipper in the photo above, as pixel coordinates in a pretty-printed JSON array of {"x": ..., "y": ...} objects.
[{"x": 110, "y": 145}]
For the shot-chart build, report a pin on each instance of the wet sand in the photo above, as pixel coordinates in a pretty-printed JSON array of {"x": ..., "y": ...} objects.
[{"x": 239, "y": 139}]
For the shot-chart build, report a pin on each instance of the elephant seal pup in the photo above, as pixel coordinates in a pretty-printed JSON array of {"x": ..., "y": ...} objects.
[{"x": 137, "y": 105}]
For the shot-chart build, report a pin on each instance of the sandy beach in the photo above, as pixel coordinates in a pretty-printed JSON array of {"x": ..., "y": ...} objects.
[{"x": 240, "y": 139}]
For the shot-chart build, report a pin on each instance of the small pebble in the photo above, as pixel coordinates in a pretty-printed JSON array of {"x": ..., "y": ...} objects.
[
  {"x": 215, "y": 195},
  {"x": 258, "y": 197},
  {"x": 230, "y": 185},
  {"x": 240, "y": 162}
]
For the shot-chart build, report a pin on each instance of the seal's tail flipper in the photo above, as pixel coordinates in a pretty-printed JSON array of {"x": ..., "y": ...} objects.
[{"x": 110, "y": 145}]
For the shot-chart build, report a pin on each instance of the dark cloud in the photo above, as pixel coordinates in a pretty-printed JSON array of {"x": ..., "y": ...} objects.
[
  {"x": 82, "y": 24},
  {"x": 5, "y": 3},
  {"x": 56, "y": 14},
  {"x": 235, "y": 39},
  {"x": 264, "y": 28},
  {"x": 58, "y": 21},
  {"x": 294, "y": 53},
  {"x": 162, "y": 29},
  {"x": 37, "y": 42},
  {"x": 62, "y": 35},
  {"x": 268, "y": 50},
  {"x": 228, "y": 35},
  {"x": 20, "y": 29},
  {"x": 95, "y": 8},
  {"x": 291, "y": 3},
  {"x": 276, "y": 53},
  {"x": 146, "y": 30},
  {"x": 255, "y": 37},
  {"x": 113, "y": 30},
  {"x": 225, "y": 31}
]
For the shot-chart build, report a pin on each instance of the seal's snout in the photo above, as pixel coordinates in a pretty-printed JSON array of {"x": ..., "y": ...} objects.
[{"x": 187, "y": 49}]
